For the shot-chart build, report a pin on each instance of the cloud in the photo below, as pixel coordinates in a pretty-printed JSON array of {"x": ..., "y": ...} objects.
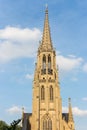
[
  {"x": 76, "y": 111},
  {"x": 14, "y": 110},
  {"x": 18, "y": 42},
  {"x": 29, "y": 76},
  {"x": 79, "y": 112},
  {"x": 69, "y": 63},
  {"x": 65, "y": 109},
  {"x": 84, "y": 99},
  {"x": 74, "y": 79},
  {"x": 85, "y": 68},
  {"x": 19, "y": 34}
]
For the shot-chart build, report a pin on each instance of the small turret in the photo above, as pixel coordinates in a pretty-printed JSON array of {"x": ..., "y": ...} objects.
[
  {"x": 22, "y": 111},
  {"x": 22, "y": 115},
  {"x": 70, "y": 111}
]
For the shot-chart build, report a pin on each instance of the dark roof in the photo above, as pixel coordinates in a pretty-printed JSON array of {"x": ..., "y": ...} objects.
[
  {"x": 25, "y": 123},
  {"x": 65, "y": 116},
  {"x": 27, "y": 115}
]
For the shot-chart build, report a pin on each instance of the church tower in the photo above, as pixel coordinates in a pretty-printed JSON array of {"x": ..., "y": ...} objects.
[
  {"x": 46, "y": 102},
  {"x": 47, "y": 109}
]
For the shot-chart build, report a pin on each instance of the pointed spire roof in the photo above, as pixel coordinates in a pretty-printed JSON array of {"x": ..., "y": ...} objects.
[
  {"x": 70, "y": 111},
  {"x": 46, "y": 43}
]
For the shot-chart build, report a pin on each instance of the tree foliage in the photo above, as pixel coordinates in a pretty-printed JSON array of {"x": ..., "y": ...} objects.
[
  {"x": 4, "y": 126},
  {"x": 18, "y": 127}
]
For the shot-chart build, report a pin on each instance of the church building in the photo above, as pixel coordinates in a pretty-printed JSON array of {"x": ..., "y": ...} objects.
[{"x": 47, "y": 103}]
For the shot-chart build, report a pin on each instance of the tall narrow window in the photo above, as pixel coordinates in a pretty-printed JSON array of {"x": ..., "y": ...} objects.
[
  {"x": 43, "y": 70},
  {"x": 42, "y": 93},
  {"x": 44, "y": 62},
  {"x": 49, "y": 62},
  {"x": 51, "y": 93},
  {"x": 44, "y": 124},
  {"x": 49, "y": 124}
]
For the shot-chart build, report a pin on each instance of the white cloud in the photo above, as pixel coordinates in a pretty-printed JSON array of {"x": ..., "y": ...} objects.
[
  {"x": 18, "y": 42},
  {"x": 72, "y": 56},
  {"x": 65, "y": 109},
  {"x": 84, "y": 99},
  {"x": 76, "y": 111},
  {"x": 85, "y": 68},
  {"x": 74, "y": 79},
  {"x": 19, "y": 34},
  {"x": 79, "y": 112},
  {"x": 29, "y": 76},
  {"x": 67, "y": 64},
  {"x": 14, "y": 110}
]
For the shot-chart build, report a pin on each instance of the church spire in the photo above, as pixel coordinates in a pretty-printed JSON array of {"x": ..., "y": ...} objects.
[
  {"x": 46, "y": 43},
  {"x": 70, "y": 111}
]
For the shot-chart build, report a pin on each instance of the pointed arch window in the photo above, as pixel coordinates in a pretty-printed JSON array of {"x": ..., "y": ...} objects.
[
  {"x": 44, "y": 124},
  {"x": 42, "y": 93},
  {"x": 49, "y": 62},
  {"x": 43, "y": 70},
  {"x": 51, "y": 93},
  {"x": 47, "y": 124},
  {"x": 44, "y": 62},
  {"x": 50, "y": 71}
]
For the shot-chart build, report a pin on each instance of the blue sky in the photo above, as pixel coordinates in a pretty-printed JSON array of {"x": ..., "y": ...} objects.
[{"x": 21, "y": 27}]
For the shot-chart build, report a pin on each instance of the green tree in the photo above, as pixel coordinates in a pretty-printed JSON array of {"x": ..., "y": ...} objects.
[
  {"x": 3, "y": 125},
  {"x": 18, "y": 127}
]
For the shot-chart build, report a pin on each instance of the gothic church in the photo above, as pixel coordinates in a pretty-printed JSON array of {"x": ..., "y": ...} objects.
[{"x": 47, "y": 104}]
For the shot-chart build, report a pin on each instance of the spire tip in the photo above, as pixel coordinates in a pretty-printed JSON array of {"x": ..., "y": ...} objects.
[
  {"x": 46, "y": 6},
  {"x": 22, "y": 109},
  {"x": 46, "y": 9},
  {"x": 69, "y": 99}
]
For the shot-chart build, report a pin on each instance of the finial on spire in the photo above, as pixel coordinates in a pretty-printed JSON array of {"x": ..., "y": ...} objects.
[
  {"x": 46, "y": 11},
  {"x": 22, "y": 109},
  {"x": 46, "y": 6},
  {"x": 69, "y": 100}
]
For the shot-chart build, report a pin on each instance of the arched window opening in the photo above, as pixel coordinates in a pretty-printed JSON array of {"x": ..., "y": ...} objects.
[
  {"x": 44, "y": 62},
  {"x": 45, "y": 125},
  {"x": 42, "y": 93},
  {"x": 43, "y": 71},
  {"x": 50, "y": 71},
  {"x": 51, "y": 93},
  {"x": 49, "y": 124},
  {"x": 49, "y": 62}
]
